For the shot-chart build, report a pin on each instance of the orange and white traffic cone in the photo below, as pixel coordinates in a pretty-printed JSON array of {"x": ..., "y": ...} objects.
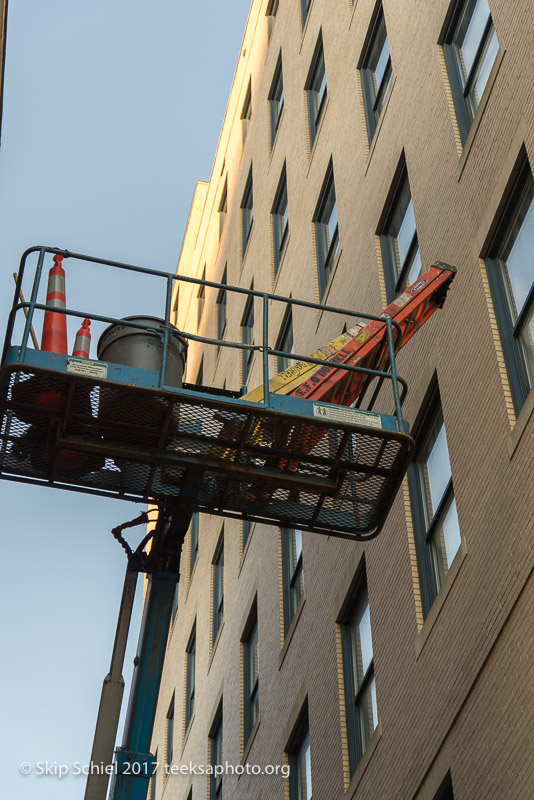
[
  {"x": 82, "y": 343},
  {"x": 54, "y": 338}
]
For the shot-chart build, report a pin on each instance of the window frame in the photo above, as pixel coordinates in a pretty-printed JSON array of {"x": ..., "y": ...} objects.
[
  {"x": 280, "y": 220},
  {"x": 221, "y": 307},
  {"x": 509, "y": 330},
  {"x": 201, "y": 298},
  {"x": 247, "y": 337},
  {"x": 270, "y": 13},
  {"x": 250, "y": 643},
  {"x": 247, "y": 214},
  {"x": 285, "y": 329},
  {"x": 315, "y": 82},
  {"x": 190, "y": 678},
  {"x": 276, "y": 100},
  {"x": 374, "y": 97},
  {"x": 193, "y": 542},
  {"x": 169, "y": 733},
  {"x": 292, "y": 574},
  {"x": 396, "y": 274},
  {"x": 223, "y": 208},
  {"x": 460, "y": 84},
  {"x": 356, "y": 695},
  {"x": 327, "y": 245},
  {"x": 294, "y": 748},
  {"x": 216, "y": 750},
  {"x": 218, "y": 588},
  {"x": 430, "y": 581},
  {"x": 246, "y": 111}
]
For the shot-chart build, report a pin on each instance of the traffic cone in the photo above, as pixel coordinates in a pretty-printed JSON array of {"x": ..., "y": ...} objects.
[
  {"x": 54, "y": 338},
  {"x": 82, "y": 342}
]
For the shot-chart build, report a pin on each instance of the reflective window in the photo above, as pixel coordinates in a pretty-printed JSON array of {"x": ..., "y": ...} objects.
[
  {"x": 511, "y": 274},
  {"x": 316, "y": 91},
  {"x": 280, "y": 220},
  {"x": 292, "y": 574},
  {"x": 400, "y": 246},
  {"x": 434, "y": 512},
  {"x": 326, "y": 231},
  {"x": 470, "y": 48},
  {"x": 376, "y": 73},
  {"x": 276, "y": 99}
]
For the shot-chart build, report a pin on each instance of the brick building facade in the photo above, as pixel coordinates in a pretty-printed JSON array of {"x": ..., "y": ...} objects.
[{"x": 361, "y": 141}]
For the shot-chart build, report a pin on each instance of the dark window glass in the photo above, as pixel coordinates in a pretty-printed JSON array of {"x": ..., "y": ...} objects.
[
  {"x": 247, "y": 337},
  {"x": 286, "y": 343},
  {"x": 223, "y": 208},
  {"x": 326, "y": 231},
  {"x": 216, "y": 744},
  {"x": 280, "y": 218},
  {"x": 170, "y": 733},
  {"x": 272, "y": 10},
  {"x": 201, "y": 297},
  {"x": 251, "y": 677},
  {"x": 221, "y": 311},
  {"x": 247, "y": 214},
  {"x": 316, "y": 91},
  {"x": 246, "y": 113},
  {"x": 194, "y": 541},
  {"x": 190, "y": 677},
  {"x": 276, "y": 99},
  {"x": 218, "y": 588}
]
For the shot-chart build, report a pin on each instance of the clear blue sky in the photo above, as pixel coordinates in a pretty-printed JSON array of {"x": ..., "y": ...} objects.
[{"x": 112, "y": 110}]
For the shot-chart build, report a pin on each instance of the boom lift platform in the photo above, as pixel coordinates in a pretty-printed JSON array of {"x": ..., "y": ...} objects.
[{"x": 306, "y": 450}]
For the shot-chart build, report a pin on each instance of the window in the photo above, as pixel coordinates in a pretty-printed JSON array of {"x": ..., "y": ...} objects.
[
  {"x": 286, "y": 343},
  {"x": 190, "y": 676},
  {"x": 316, "y": 90},
  {"x": 359, "y": 675},
  {"x": 292, "y": 575},
  {"x": 280, "y": 220},
  {"x": 174, "y": 604},
  {"x": 276, "y": 99},
  {"x": 175, "y": 306},
  {"x": 246, "y": 113},
  {"x": 376, "y": 73},
  {"x": 445, "y": 790},
  {"x": 511, "y": 277},
  {"x": 221, "y": 311},
  {"x": 400, "y": 248},
  {"x": 169, "y": 731},
  {"x": 223, "y": 208},
  {"x": 216, "y": 741},
  {"x": 435, "y": 519},
  {"x": 300, "y": 780},
  {"x": 250, "y": 674},
  {"x": 326, "y": 231},
  {"x": 304, "y": 8},
  {"x": 272, "y": 10},
  {"x": 193, "y": 542},
  {"x": 218, "y": 588},
  {"x": 246, "y": 527},
  {"x": 470, "y": 48},
  {"x": 201, "y": 297},
  {"x": 247, "y": 337},
  {"x": 247, "y": 214}
]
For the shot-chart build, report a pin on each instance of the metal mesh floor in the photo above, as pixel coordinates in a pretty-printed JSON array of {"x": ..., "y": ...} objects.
[{"x": 141, "y": 444}]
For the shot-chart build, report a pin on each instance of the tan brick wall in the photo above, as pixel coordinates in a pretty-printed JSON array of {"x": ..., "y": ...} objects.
[{"x": 454, "y": 691}]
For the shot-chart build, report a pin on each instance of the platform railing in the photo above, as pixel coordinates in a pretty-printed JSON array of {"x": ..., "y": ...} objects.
[{"x": 393, "y": 329}]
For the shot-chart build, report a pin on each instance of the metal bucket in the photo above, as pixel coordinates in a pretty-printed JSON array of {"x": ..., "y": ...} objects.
[
  {"x": 132, "y": 347},
  {"x": 146, "y": 415}
]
